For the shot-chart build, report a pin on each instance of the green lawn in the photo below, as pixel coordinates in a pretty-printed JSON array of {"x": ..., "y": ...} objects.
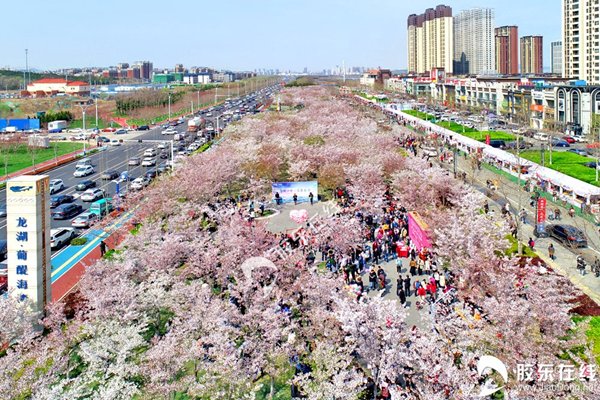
[
  {"x": 21, "y": 158},
  {"x": 494, "y": 135},
  {"x": 566, "y": 162},
  {"x": 419, "y": 114},
  {"x": 89, "y": 123}
]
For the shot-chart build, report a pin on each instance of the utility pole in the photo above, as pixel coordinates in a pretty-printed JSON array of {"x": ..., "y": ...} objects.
[
  {"x": 96, "y": 112},
  {"x": 216, "y": 93},
  {"x": 192, "y": 106},
  {"x": 169, "y": 106},
  {"x": 519, "y": 244},
  {"x": 26, "y": 67},
  {"x": 198, "y": 99}
]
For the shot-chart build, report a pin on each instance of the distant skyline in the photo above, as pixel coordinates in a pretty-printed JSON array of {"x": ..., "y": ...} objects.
[{"x": 237, "y": 34}]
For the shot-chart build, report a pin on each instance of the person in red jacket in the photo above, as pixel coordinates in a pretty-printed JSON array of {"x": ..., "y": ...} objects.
[{"x": 421, "y": 292}]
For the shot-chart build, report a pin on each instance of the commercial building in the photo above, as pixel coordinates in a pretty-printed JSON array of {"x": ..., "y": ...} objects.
[
  {"x": 507, "y": 50},
  {"x": 375, "y": 77},
  {"x": 431, "y": 40},
  {"x": 556, "y": 54},
  {"x": 53, "y": 86},
  {"x": 133, "y": 73},
  {"x": 193, "y": 79},
  {"x": 532, "y": 55},
  {"x": 179, "y": 68},
  {"x": 474, "y": 42},
  {"x": 581, "y": 40},
  {"x": 145, "y": 68}
]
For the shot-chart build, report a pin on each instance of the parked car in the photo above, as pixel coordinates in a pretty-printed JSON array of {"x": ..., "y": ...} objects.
[
  {"x": 83, "y": 171},
  {"x": 109, "y": 130},
  {"x": 56, "y": 185},
  {"x": 143, "y": 128},
  {"x": 148, "y": 162},
  {"x": 498, "y": 144},
  {"x": 103, "y": 139},
  {"x": 84, "y": 185},
  {"x": 134, "y": 161},
  {"x": 109, "y": 175},
  {"x": 568, "y": 139},
  {"x": 92, "y": 194},
  {"x": 568, "y": 235},
  {"x": 59, "y": 199},
  {"x": 84, "y": 220},
  {"x": 591, "y": 164},
  {"x": 579, "y": 151},
  {"x": 65, "y": 211},
  {"x": 140, "y": 183},
  {"x": 115, "y": 142},
  {"x": 540, "y": 136},
  {"x": 61, "y": 236},
  {"x": 120, "y": 131},
  {"x": 560, "y": 143}
]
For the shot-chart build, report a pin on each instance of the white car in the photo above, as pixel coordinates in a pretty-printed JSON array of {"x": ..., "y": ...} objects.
[
  {"x": 139, "y": 183},
  {"x": 148, "y": 162},
  {"x": 162, "y": 145},
  {"x": 150, "y": 153},
  {"x": 92, "y": 194},
  {"x": 75, "y": 130},
  {"x": 56, "y": 185},
  {"x": 169, "y": 131},
  {"x": 115, "y": 142},
  {"x": 84, "y": 220},
  {"x": 61, "y": 236},
  {"x": 83, "y": 171}
]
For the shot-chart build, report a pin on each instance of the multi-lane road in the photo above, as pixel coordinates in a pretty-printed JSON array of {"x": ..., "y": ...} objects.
[{"x": 117, "y": 157}]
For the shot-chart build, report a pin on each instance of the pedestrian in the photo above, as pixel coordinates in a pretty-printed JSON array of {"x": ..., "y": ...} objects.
[
  {"x": 572, "y": 212},
  {"x": 531, "y": 243},
  {"x": 102, "y": 248},
  {"x": 277, "y": 198},
  {"x": 413, "y": 266},
  {"x": 361, "y": 288},
  {"x": 486, "y": 207},
  {"x": 523, "y": 216},
  {"x": 400, "y": 293},
  {"x": 311, "y": 198},
  {"x": 382, "y": 278},
  {"x": 581, "y": 265},
  {"x": 398, "y": 265},
  {"x": 372, "y": 279},
  {"x": 407, "y": 285},
  {"x": 295, "y": 197},
  {"x": 551, "y": 251}
]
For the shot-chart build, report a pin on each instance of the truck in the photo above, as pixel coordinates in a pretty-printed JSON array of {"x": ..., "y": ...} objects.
[
  {"x": 57, "y": 126},
  {"x": 195, "y": 124}
]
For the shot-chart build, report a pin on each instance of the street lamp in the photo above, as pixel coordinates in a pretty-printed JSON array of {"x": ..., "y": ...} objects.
[{"x": 169, "y": 106}]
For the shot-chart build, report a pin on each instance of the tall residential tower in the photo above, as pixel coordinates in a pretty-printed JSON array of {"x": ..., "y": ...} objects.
[
  {"x": 581, "y": 38},
  {"x": 556, "y": 53},
  {"x": 474, "y": 42},
  {"x": 430, "y": 40},
  {"x": 532, "y": 58},
  {"x": 507, "y": 50}
]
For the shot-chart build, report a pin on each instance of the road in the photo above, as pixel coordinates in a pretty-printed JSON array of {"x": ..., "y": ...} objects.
[{"x": 117, "y": 157}]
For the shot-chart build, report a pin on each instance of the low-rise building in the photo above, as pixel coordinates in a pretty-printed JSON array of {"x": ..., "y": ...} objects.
[
  {"x": 375, "y": 77},
  {"x": 53, "y": 86}
]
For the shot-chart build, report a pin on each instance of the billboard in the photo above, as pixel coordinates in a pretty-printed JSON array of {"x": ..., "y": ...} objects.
[
  {"x": 287, "y": 190},
  {"x": 28, "y": 237},
  {"x": 418, "y": 231},
  {"x": 21, "y": 124}
]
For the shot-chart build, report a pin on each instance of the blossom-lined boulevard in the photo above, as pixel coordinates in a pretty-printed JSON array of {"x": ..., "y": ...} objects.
[{"x": 173, "y": 312}]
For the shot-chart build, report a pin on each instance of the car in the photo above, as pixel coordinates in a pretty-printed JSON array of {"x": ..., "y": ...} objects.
[
  {"x": 591, "y": 164},
  {"x": 579, "y": 151},
  {"x": 140, "y": 183},
  {"x": 125, "y": 177},
  {"x": 65, "y": 211},
  {"x": 143, "y": 128},
  {"x": 84, "y": 220},
  {"x": 103, "y": 139},
  {"x": 75, "y": 130},
  {"x": 162, "y": 145},
  {"x": 134, "y": 161},
  {"x": 57, "y": 130},
  {"x": 169, "y": 131},
  {"x": 148, "y": 162},
  {"x": 92, "y": 194},
  {"x": 151, "y": 174},
  {"x": 162, "y": 167},
  {"x": 120, "y": 131},
  {"x": 541, "y": 136},
  {"x": 3, "y": 250},
  {"x": 2, "y": 210},
  {"x": 83, "y": 162},
  {"x": 109, "y": 175},
  {"x": 56, "y": 185},
  {"x": 115, "y": 142},
  {"x": 579, "y": 138},
  {"x": 513, "y": 145},
  {"x": 80, "y": 136},
  {"x": 568, "y": 235},
  {"x": 560, "y": 143},
  {"x": 163, "y": 155},
  {"x": 84, "y": 185},
  {"x": 59, "y": 199},
  {"x": 61, "y": 236},
  {"x": 498, "y": 144},
  {"x": 151, "y": 152},
  {"x": 83, "y": 171},
  {"x": 109, "y": 130},
  {"x": 568, "y": 139}
]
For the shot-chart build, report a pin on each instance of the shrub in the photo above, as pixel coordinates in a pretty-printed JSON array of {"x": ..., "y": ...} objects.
[{"x": 80, "y": 241}]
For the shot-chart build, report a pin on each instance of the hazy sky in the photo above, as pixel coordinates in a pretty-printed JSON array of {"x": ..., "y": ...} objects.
[{"x": 236, "y": 34}]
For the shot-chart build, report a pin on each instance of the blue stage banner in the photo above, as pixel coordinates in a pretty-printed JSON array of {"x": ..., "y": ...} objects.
[{"x": 287, "y": 190}]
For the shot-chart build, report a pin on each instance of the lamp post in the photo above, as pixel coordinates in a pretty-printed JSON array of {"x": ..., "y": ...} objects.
[{"x": 169, "y": 106}]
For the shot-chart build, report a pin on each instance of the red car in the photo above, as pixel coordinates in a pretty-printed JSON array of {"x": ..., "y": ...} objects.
[
  {"x": 568, "y": 139},
  {"x": 109, "y": 130}
]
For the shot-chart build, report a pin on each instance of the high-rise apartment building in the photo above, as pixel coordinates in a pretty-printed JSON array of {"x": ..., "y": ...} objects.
[
  {"x": 474, "y": 42},
  {"x": 532, "y": 55},
  {"x": 581, "y": 40},
  {"x": 430, "y": 40},
  {"x": 556, "y": 53},
  {"x": 507, "y": 50}
]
